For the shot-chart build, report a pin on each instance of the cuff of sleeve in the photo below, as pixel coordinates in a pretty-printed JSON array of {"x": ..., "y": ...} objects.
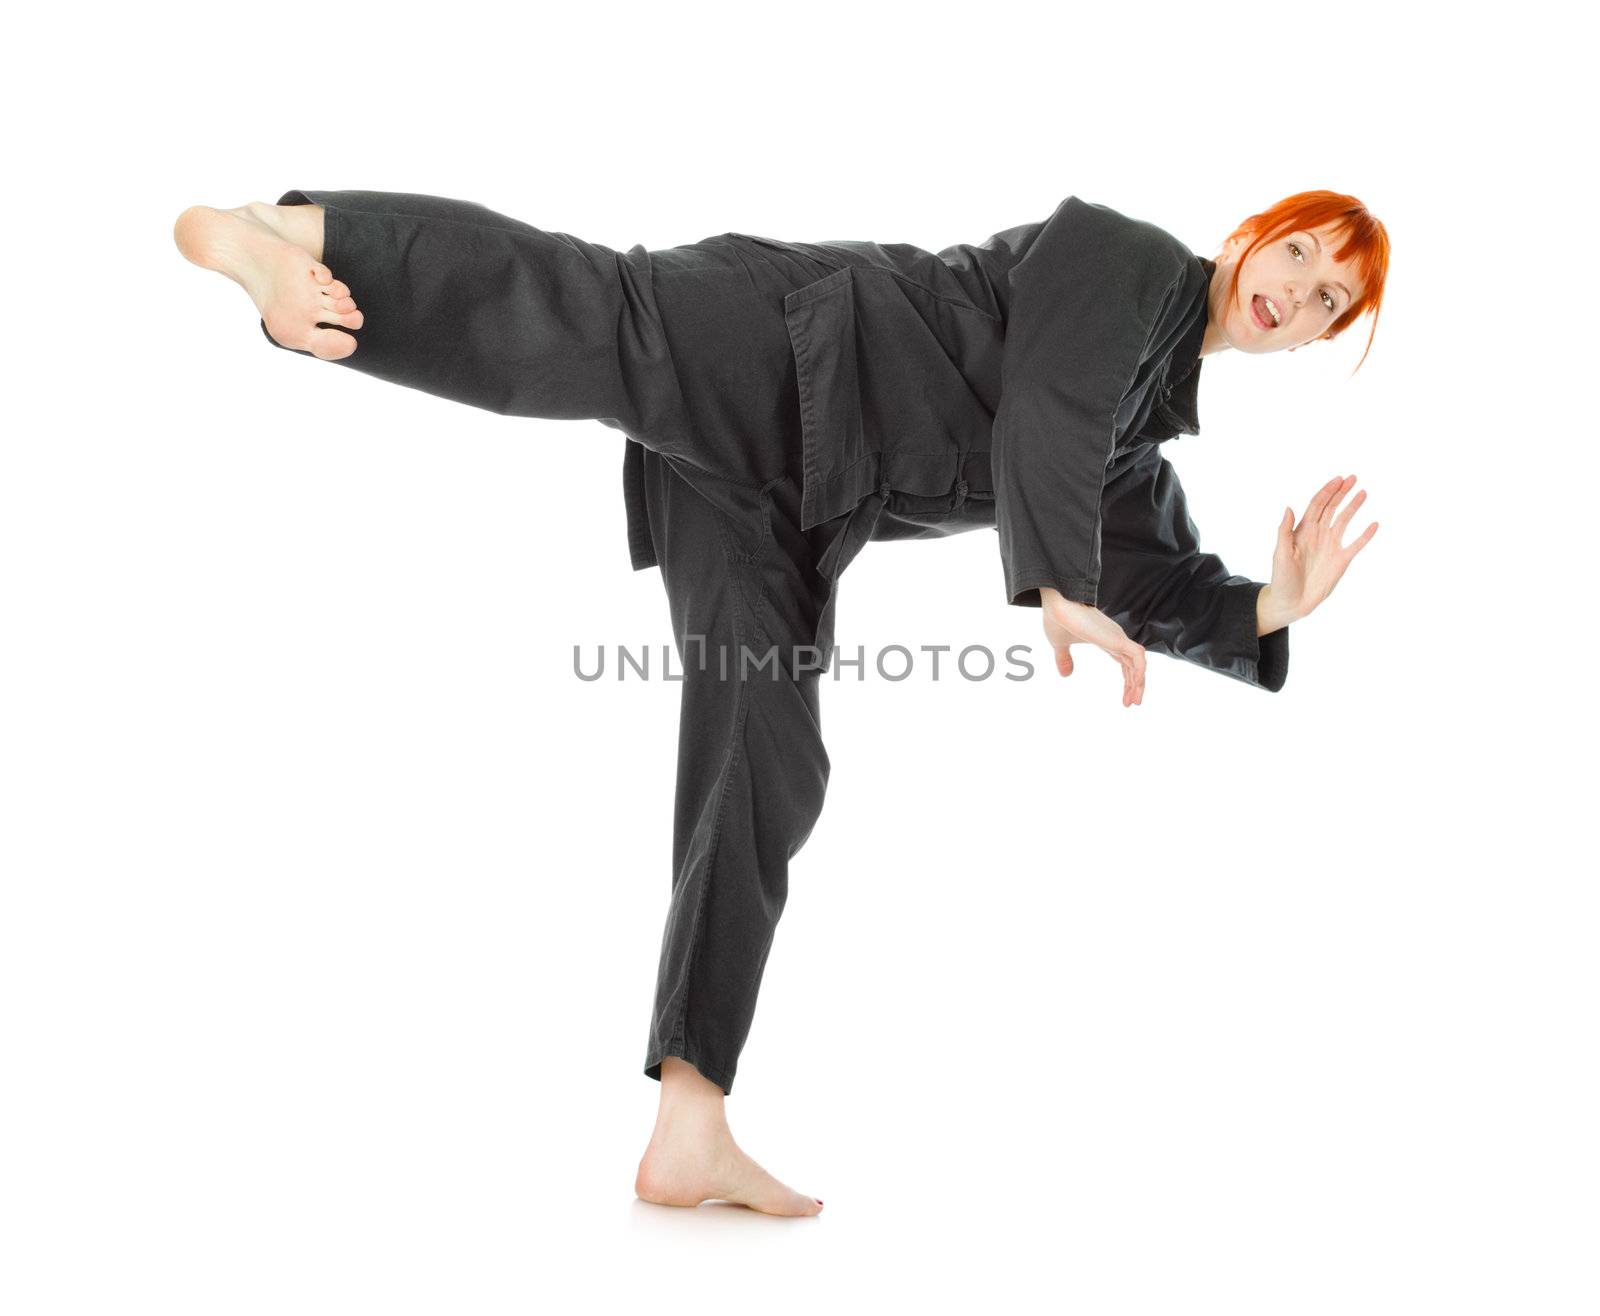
[
  {"x": 1273, "y": 668},
  {"x": 1272, "y": 650},
  {"x": 1023, "y": 586}
]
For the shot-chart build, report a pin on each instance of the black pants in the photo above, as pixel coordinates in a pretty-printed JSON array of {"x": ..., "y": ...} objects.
[{"x": 686, "y": 351}]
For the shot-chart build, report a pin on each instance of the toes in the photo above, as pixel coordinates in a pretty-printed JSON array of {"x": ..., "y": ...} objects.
[
  {"x": 761, "y": 1192},
  {"x": 330, "y": 344},
  {"x": 345, "y": 319},
  {"x": 786, "y": 1203},
  {"x": 285, "y": 330},
  {"x": 339, "y": 305},
  {"x": 321, "y": 273},
  {"x": 336, "y": 289}
]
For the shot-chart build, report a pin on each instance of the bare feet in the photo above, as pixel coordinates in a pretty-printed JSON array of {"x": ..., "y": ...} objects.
[
  {"x": 295, "y": 293},
  {"x": 692, "y": 1157}
]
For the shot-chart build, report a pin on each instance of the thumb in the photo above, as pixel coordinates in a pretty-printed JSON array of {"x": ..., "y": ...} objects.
[{"x": 1286, "y": 526}]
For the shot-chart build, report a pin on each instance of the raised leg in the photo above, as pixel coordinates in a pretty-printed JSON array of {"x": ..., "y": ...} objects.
[{"x": 455, "y": 300}]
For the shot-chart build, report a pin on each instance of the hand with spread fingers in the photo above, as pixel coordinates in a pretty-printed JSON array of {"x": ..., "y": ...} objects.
[
  {"x": 1067, "y": 623},
  {"x": 1308, "y": 559}
]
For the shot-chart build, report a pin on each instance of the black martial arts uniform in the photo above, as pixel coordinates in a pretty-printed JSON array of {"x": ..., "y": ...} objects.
[{"x": 785, "y": 403}]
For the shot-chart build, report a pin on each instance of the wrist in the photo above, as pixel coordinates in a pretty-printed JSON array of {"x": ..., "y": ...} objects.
[{"x": 1270, "y": 615}]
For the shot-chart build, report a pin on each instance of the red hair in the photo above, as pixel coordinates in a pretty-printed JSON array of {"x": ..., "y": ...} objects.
[{"x": 1365, "y": 244}]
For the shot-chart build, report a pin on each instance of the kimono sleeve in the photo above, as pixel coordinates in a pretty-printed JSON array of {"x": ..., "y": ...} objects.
[
  {"x": 1086, "y": 301},
  {"x": 1167, "y": 594}
]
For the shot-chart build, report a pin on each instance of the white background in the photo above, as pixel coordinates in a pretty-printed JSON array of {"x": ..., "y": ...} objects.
[{"x": 332, "y": 898}]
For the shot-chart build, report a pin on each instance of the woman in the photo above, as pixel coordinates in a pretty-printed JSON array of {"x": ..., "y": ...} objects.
[{"x": 785, "y": 403}]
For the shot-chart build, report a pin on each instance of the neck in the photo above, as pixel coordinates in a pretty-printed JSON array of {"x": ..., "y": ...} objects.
[{"x": 1216, "y": 308}]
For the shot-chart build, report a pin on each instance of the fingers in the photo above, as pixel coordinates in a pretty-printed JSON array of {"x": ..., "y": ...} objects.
[
  {"x": 1286, "y": 527},
  {"x": 1342, "y": 522},
  {"x": 1340, "y": 490},
  {"x": 1319, "y": 501},
  {"x": 1320, "y": 512},
  {"x": 1343, "y": 519},
  {"x": 1105, "y": 634},
  {"x": 1132, "y": 661},
  {"x": 1342, "y": 558},
  {"x": 1366, "y": 538}
]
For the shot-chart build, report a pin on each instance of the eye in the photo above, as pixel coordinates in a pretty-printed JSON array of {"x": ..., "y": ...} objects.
[{"x": 1328, "y": 299}]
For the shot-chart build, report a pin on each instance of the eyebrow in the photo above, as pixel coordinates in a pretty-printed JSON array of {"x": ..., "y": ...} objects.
[{"x": 1347, "y": 297}]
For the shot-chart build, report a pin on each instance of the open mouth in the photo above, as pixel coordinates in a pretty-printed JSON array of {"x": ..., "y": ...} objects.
[{"x": 1264, "y": 311}]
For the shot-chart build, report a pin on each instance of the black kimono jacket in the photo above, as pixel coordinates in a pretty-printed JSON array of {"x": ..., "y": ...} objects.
[{"x": 1024, "y": 384}]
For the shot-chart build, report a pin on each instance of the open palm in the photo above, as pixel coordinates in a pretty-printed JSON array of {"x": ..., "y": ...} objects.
[{"x": 1308, "y": 559}]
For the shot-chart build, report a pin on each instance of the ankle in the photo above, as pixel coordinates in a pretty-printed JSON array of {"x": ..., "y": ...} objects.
[
  {"x": 300, "y": 225},
  {"x": 691, "y": 1114},
  {"x": 690, "y": 1103}
]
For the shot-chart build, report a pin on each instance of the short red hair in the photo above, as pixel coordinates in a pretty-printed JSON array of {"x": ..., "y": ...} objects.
[{"x": 1365, "y": 244}]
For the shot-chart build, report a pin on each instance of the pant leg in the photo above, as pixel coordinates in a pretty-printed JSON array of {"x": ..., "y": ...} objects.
[
  {"x": 741, "y": 578},
  {"x": 470, "y": 305},
  {"x": 752, "y": 768}
]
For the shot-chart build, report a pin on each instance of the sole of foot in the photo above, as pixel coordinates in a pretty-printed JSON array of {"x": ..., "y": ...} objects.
[
  {"x": 674, "y": 1175},
  {"x": 302, "y": 305}
]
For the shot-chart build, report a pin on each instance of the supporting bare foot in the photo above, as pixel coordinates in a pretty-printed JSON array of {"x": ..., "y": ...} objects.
[
  {"x": 295, "y": 293},
  {"x": 692, "y": 1157}
]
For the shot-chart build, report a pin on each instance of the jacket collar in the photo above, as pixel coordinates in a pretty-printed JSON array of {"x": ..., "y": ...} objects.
[{"x": 1182, "y": 386}]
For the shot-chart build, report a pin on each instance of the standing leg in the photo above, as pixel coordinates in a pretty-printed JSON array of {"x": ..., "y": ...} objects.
[
  {"x": 752, "y": 774},
  {"x": 469, "y": 305}
]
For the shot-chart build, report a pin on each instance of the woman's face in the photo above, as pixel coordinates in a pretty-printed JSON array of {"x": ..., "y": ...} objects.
[{"x": 1294, "y": 272}]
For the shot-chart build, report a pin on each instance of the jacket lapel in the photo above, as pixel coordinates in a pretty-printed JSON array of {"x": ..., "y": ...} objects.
[{"x": 1176, "y": 410}]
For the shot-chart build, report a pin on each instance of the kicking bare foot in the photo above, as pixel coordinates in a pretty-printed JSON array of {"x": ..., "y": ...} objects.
[
  {"x": 295, "y": 293},
  {"x": 692, "y": 1157}
]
